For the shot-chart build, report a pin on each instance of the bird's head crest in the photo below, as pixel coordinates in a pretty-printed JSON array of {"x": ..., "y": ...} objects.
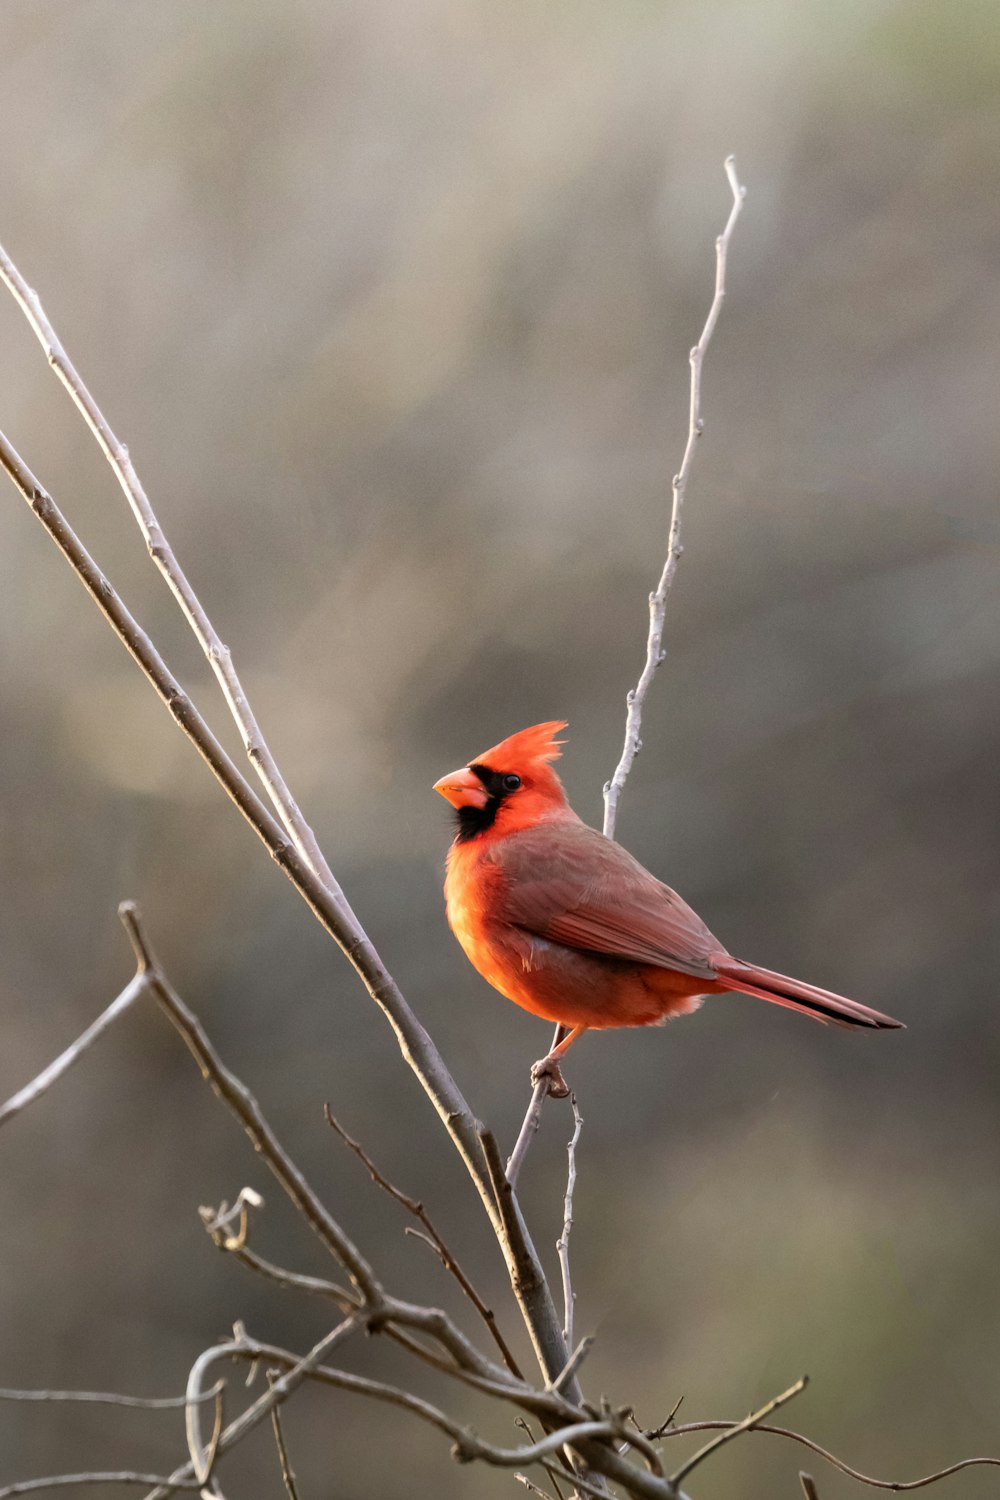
[{"x": 527, "y": 747}]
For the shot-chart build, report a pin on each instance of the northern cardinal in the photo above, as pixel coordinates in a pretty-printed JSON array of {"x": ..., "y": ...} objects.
[{"x": 567, "y": 924}]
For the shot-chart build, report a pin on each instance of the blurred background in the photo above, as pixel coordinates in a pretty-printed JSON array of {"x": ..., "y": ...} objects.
[{"x": 392, "y": 303}]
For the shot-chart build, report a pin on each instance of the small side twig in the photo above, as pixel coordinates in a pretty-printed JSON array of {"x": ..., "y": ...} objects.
[
  {"x": 287, "y": 1472},
  {"x": 562, "y": 1244},
  {"x": 93, "y": 1477},
  {"x": 745, "y": 1426},
  {"x": 658, "y": 599},
  {"x": 529, "y": 1126},
  {"x": 110, "y": 1398},
  {"x": 809, "y": 1490},
  {"x": 55, "y": 1070},
  {"x": 432, "y": 1237}
]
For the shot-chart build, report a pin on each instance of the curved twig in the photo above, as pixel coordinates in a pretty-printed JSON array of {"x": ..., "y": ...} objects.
[
  {"x": 897, "y": 1485},
  {"x": 55, "y": 1070},
  {"x": 658, "y": 599},
  {"x": 747, "y": 1425}
]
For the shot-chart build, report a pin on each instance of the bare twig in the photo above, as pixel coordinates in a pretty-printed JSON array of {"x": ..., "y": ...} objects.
[
  {"x": 217, "y": 1221},
  {"x": 809, "y": 1490},
  {"x": 574, "y": 1362},
  {"x": 241, "y": 1103},
  {"x": 529, "y": 1126},
  {"x": 55, "y": 1070},
  {"x": 95, "y": 1476},
  {"x": 109, "y": 1398},
  {"x": 467, "y": 1444},
  {"x": 533, "y": 1489},
  {"x": 287, "y": 1472},
  {"x": 562, "y": 1244},
  {"x": 745, "y": 1426},
  {"x": 295, "y": 1280},
  {"x": 896, "y": 1485},
  {"x": 218, "y": 655},
  {"x": 657, "y": 600},
  {"x": 532, "y": 1290},
  {"x": 432, "y": 1238}
]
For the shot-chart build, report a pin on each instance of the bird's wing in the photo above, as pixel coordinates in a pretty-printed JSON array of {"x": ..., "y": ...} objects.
[{"x": 568, "y": 883}]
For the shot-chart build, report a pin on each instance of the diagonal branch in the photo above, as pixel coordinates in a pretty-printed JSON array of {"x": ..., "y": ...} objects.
[
  {"x": 55, "y": 1070},
  {"x": 219, "y": 656},
  {"x": 240, "y": 1102},
  {"x": 658, "y": 599},
  {"x": 336, "y": 916},
  {"x": 746, "y": 1425}
]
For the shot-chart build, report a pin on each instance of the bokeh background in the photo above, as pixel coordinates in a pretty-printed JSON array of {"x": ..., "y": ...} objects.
[{"x": 392, "y": 303}]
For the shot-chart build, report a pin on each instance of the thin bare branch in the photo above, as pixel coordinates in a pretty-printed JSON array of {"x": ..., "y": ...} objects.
[
  {"x": 287, "y": 1472},
  {"x": 529, "y": 1126},
  {"x": 241, "y": 1103},
  {"x": 533, "y": 1489},
  {"x": 658, "y": 599},
  {"x": 55, "y": 1070},
  {"x": 467, "y": 1445},
  {"x": 218, "y": 655},
  {"x": 94, "y": 1476},
  {"x": 809, "y": 1490},
  {"x": 746, "y": 1425},
  {"x": 294, "y": 1280},
  {"x": 432, "y": 1238},
  {"x": 896, "y": 1485},
  {"x": 574, "y": 1362},
  {"x": 562, "y": 1244},
  {"x": 336, "y": 916},
  {"x": 109, "y": 1398}
]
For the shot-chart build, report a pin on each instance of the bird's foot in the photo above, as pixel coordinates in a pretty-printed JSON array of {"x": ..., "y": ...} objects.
[{"x": 548, "y": 1067}]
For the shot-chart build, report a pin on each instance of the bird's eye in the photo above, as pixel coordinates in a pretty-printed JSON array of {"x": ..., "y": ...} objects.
[{"x": 511, "y": 782}]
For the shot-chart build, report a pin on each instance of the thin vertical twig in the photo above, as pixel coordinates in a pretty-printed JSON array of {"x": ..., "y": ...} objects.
[
  {"x": 287, "y": 1472},
  {"x": 562, "y": 1244},
  {"x": 658, "y": 599}
]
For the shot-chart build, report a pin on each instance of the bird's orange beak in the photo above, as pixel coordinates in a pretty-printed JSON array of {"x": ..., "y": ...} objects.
[{"x": 462, "y": 789}]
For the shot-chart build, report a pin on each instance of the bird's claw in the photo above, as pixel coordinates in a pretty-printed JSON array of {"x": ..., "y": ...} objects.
[{"x": 548, "y": 1067}]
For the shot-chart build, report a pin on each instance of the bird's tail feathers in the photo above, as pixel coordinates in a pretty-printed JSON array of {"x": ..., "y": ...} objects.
[{"x": 779, "y": 989}]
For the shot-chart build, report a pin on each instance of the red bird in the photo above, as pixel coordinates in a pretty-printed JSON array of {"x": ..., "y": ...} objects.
[{"x": 566, "y": 923}]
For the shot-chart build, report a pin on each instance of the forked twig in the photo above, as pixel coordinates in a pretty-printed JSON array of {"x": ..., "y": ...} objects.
[
  {"x": 746, "y": 1425},
  {"x": 636, "y": 697},
  {"x": 896, "y": 1485}
]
